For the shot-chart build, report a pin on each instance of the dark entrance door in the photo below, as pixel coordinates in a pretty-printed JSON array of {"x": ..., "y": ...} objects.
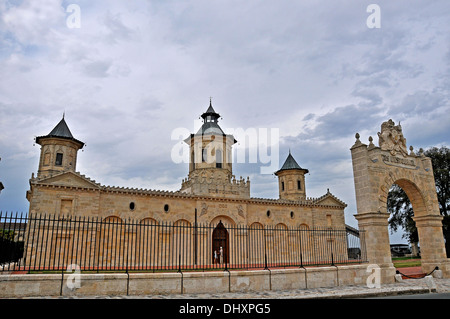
[{"x": 220, "y": 244}]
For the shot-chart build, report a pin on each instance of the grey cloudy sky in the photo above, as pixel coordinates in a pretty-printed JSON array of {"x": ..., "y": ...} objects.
[{"x": 137, "y": 70}]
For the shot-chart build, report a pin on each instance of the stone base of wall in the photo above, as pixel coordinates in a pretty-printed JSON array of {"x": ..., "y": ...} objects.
[
  {"x": 444, "y": 266},
  {"x": 69, "y": 284}
]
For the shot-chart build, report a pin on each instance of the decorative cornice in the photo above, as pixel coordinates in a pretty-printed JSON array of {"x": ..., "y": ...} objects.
[{"x": 309, "y": 202}]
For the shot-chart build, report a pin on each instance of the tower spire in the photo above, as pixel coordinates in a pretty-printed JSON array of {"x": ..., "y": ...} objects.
[{"x": 59, "y": 150}]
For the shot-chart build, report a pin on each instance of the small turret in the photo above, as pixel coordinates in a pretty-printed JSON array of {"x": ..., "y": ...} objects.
[
  {"x": 291, "y": 180},
  {"x": 58, "y": 151}
]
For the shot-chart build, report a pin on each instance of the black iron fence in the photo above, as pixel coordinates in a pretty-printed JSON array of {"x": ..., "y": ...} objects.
[{"x": 52, "y": 243}]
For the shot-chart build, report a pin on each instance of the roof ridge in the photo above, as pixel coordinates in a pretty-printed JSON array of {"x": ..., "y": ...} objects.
[
  {"x": 61, "y": 129},
  {"x": 291, "y": 163}
]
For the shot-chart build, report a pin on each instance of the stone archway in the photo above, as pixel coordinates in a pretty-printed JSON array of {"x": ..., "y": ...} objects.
[
  {"x": 220, "y": 245},
  {"x": 375, "y": 170}
]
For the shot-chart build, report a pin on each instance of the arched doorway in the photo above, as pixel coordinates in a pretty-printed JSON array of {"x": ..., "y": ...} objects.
[
  {"x": 428, "y": 221},
  {"x": 220, "y": 245},
  {"x": 375, "y": 169}
]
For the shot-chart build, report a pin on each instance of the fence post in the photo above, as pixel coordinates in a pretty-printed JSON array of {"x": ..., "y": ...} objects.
[
  {"x": 127, "y": 228},
  {"x": 195, "y": 238},
  {"x": 331, "y": 246},
  {"x": 265, "y": 249}
]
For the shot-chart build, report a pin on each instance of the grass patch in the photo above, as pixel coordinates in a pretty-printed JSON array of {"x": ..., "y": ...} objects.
[
  {"x": 408, "y": 264},
  {"x": 400, "y": 262},
  {"x": 404, "y": 258}
]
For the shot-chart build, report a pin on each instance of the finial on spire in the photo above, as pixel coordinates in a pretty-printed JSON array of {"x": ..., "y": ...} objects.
[{"x": 64, "y": 113}]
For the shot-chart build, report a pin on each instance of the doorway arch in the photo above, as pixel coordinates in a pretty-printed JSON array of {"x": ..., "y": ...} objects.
[
  {"x": 220, "y": 245},
  {"x": 375, "y": 169}
]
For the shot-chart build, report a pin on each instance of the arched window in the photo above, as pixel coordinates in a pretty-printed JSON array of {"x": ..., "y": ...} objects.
[
  {"x": 219, "y": 158},
  {"x": 59, "y": 159}
]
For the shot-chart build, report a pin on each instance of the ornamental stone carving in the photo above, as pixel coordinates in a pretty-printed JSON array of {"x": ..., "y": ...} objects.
[{"x": 391, "y": 138}]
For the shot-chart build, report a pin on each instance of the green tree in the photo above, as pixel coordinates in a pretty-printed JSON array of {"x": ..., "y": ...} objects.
[{"x": 400, "y": 207}]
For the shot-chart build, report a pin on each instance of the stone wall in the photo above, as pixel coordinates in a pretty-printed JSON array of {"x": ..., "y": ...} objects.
[
  {"x": 34, "y": 285},
  {"x": 110, "y": 201}
]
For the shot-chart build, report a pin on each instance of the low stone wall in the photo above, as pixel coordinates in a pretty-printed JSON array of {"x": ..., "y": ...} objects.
[{"x": 67, "y": 284}]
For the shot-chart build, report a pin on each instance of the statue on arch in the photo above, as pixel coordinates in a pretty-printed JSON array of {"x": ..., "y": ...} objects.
[{"x": 391, "y": 138}]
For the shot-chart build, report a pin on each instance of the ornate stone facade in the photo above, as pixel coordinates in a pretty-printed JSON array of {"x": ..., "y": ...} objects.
[
  {"x": 375, "y": 170},
  {"x": 391, "y": 138},
  {"x": 211, "y": 191}
]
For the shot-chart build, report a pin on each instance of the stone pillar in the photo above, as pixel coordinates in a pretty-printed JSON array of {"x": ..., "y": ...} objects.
[
  {"x": 370, "y": 219},
  {"x": 376, "y": 235},
  {"x": 432, "y": 246}
]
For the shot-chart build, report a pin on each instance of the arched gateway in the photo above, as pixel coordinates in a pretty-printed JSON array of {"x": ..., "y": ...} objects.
[{"x": 375, "y": 170}]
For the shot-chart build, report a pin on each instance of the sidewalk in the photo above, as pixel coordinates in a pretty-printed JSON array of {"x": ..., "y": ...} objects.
[
  {"x": 406, "y": 287},
  {"x": 410, "y": 286}
]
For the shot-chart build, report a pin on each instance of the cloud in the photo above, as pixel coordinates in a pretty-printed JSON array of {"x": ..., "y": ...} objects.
[
  {"x": 97, "y": 69},
  {"x": 31, "y": 22},
  {"x": 421, "y": 103},
  {"x": 136, "y": 71},
  {"x": 341, "y": 122},
  {"x": 117, "y": 30}
]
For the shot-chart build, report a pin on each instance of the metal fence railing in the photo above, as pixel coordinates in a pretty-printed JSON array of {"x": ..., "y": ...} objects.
[{"x": 39, "y": 242}]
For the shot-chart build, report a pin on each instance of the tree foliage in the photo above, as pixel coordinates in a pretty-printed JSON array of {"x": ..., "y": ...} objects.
[{"x": 400, "y": 207}]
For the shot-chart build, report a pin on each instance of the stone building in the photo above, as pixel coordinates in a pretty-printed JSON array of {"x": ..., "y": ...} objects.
[
  {"x": 210, "y": 195},
  {"x": 210, "y": 188}
]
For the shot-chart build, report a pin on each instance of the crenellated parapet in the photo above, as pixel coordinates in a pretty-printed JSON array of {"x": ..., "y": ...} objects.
[{"x": 215, "y": 183}]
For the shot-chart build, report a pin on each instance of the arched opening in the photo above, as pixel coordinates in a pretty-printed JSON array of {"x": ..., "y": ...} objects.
[
  {"x": 181, "y": 243},
  {"x": 147, "y": 233},
  {"x": 403, "y": 235},
  {"x": 112, "y": 243},
  {"x": 256, "y": 242},
  {"x": 406, "y": 204},
  {"x": 280, "y": 242},
  {"x": 219, "y": 159},
  {"x": 220, "y": 245}
]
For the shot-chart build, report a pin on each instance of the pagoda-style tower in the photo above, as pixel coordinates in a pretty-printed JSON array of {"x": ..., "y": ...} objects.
[
  {"x": 58, "y": 151},
  {"x": 291, "y": 180},
  {"x": 210, "y": 165},
  {"x": 210, "y": 147}
]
